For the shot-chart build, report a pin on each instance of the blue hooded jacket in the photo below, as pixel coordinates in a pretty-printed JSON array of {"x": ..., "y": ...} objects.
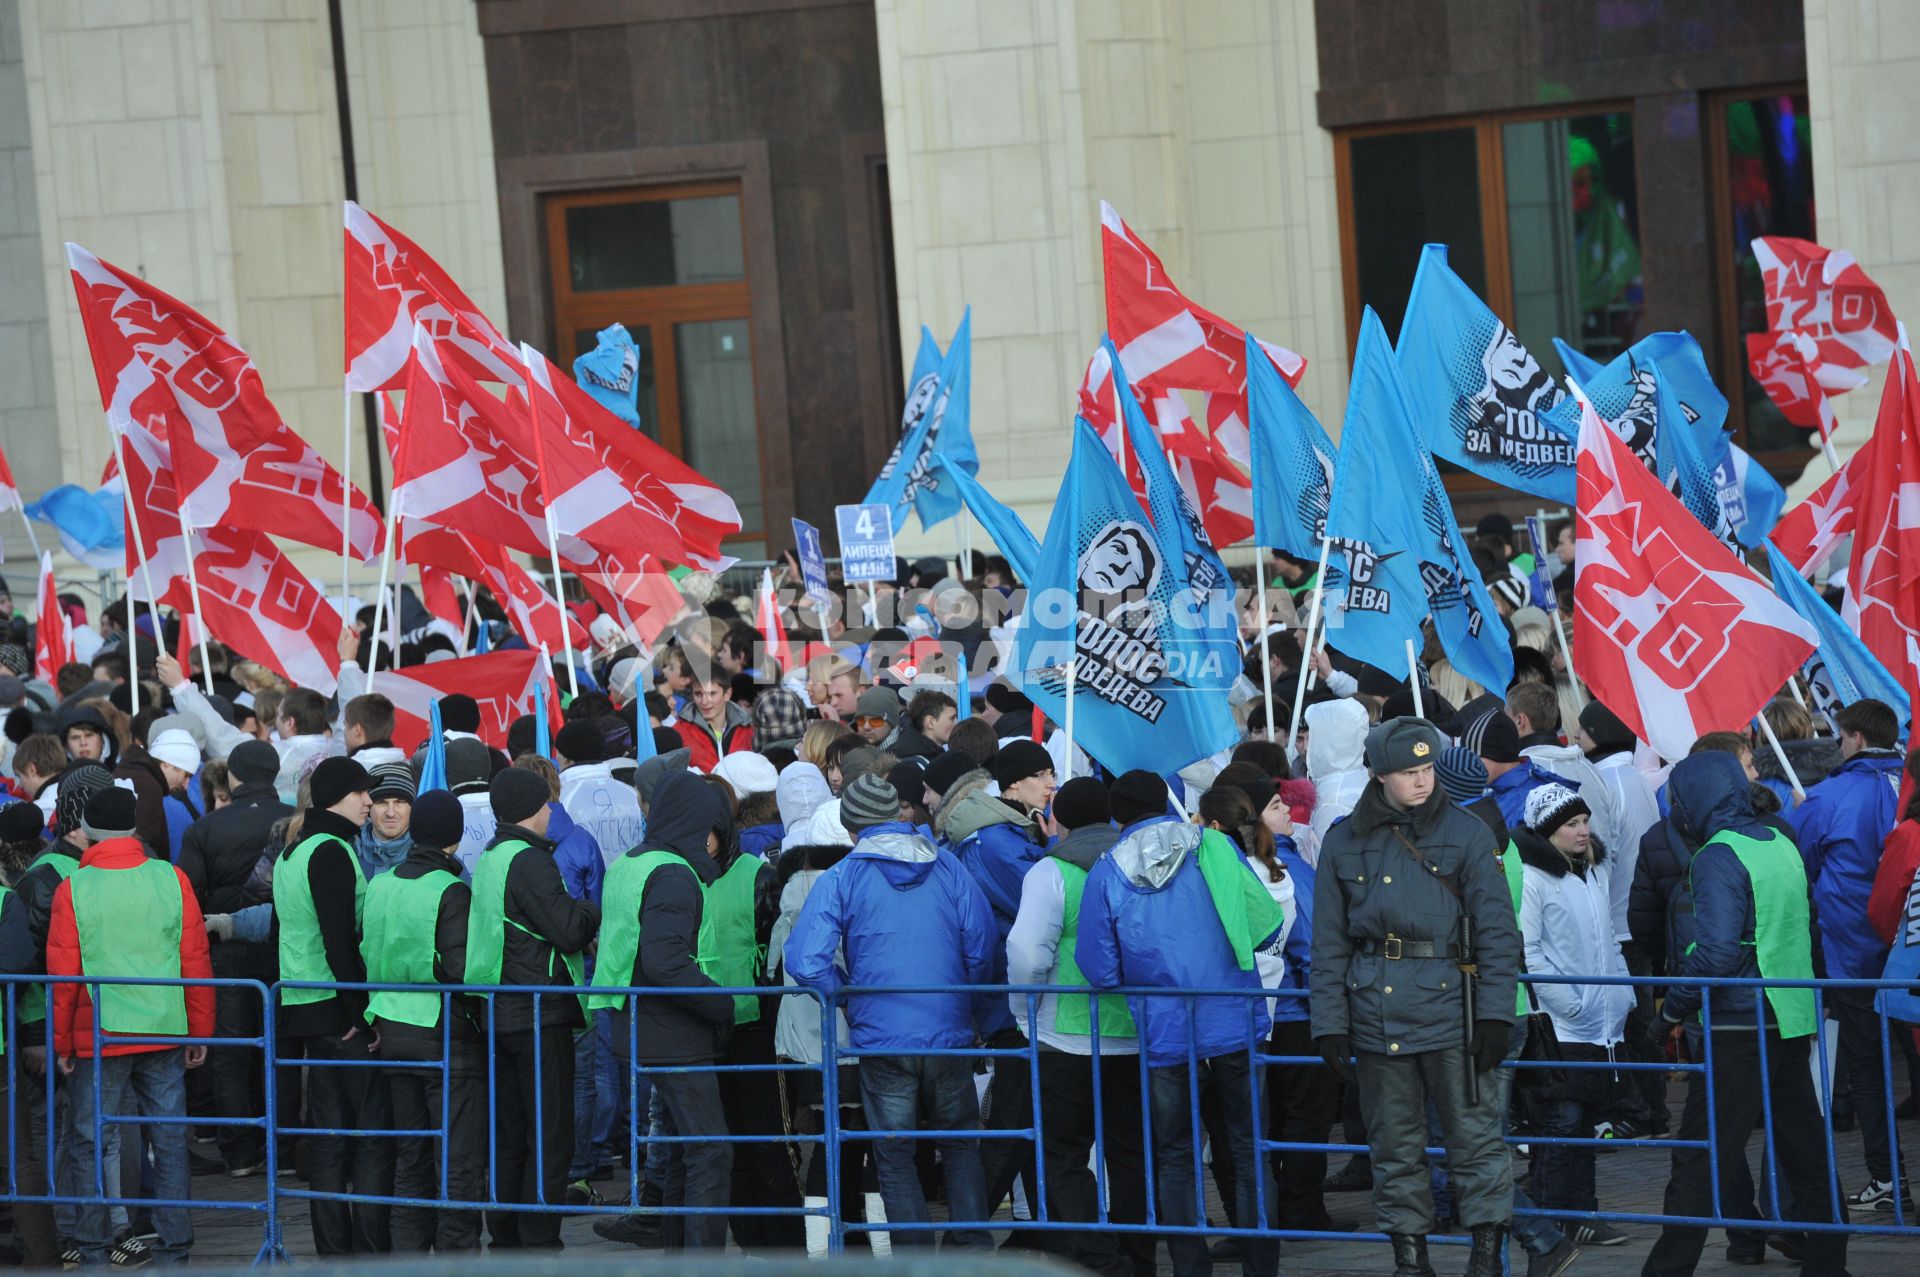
[
  {"x": 1708, "y": 795},
  {"x": 1299, "y": 949},
  {"x": 1841, "y": 828},
  {"x": 896, "y": 911},
  {"x": 1511, "y": 790},
  {"x": 1147, "y": 919},
  {"x": 577, "y": 855},
  {"x": 998, "y": 853},
  {"x": 762, "y": 840}
]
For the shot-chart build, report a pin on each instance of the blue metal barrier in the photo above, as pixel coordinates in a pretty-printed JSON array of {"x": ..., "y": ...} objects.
[{"x": 831, "y": 1143}]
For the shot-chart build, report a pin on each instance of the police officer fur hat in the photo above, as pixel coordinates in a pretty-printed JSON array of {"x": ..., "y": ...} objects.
[{"x": 1401, "y": 744}]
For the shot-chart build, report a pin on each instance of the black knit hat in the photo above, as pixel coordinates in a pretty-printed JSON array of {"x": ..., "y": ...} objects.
[
  {"x": 1137, "y": 795},
  {"x": 1080, "y": 802},
  {"x": 515, "y": 794},
  {"x": 253, "y": 762},
  {"x": 468, "y": 766},
  {"x": 581, "y": 742},
  {"x": 110, "y": 813},
  {"x": 1016, "y": 760},
  {"x": 21, "y": 822},
  {"x": 438, "y": 820},
  {"x": 1605, "y": 727},
  {"x": 1494, "y": 737},
  {"x": 459, "y": 713},
  {"x": 334, "y": 779},
  {"x": 943, "y": 771}
]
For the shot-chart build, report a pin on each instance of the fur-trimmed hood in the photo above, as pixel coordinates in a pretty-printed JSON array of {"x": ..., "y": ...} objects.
[{"x": 1539, "y": 853}]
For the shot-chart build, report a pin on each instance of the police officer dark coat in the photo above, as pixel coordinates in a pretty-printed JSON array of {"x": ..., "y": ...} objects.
[{"x": 1392, "y": 884}]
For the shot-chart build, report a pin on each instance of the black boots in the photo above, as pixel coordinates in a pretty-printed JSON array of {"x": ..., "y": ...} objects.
[
  {"x": 1489, "y": 1248},
  {"x": 1410, "y": 1256}
]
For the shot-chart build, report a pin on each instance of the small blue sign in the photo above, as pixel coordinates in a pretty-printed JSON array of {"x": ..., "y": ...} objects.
[
  {"x": 1541, "y": 582},
  {"x": 813, "y": 562},
  {"x": 866, "y": 541}
]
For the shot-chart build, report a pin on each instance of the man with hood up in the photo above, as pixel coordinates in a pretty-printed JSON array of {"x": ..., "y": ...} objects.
[
  {"x": 1393, "y": 883},
  {"x": 1040, "y": 950},
  {"x": 1751, "y": 920},
  {"x": 1175, "y": 906},
  {"x": 904, "y": 913},
  {"x": 655, "y": 898},
  {"x": 1337, "y": 730}
]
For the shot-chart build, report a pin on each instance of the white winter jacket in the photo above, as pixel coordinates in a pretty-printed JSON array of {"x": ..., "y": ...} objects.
[
  {"x": 1336, "y": 761},
  {"x": 1636, "y": 809},
  {"x": 1566, "y": 924},
  {"x": 604, "y": 807}
]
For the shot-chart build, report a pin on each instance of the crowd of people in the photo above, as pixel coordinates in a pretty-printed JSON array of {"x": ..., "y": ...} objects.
[{"x": 862, "y": 833}]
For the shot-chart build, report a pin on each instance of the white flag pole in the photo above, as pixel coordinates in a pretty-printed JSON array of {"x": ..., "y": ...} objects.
[
  {"x": 1073, "y": 662},
  {"x": 1780, "y": 755},
  {"x": 466, "y": 622},
  {"x": 346, "y": 494},
  {"x": 1306, "y": 651},
  {"x": 1266, "y": 643},
  {"x": 560, "y": 599},
  {"x": 380, "y": 596},
  {"x": 193, "y": 594},
  {"x": 1793, "y": 686},
  {"x": 1413, "y": 678},
  {"x": 27, "y": 523},
  {"x": 146, "y": 575},
  {"x": 527, "y": 357}
]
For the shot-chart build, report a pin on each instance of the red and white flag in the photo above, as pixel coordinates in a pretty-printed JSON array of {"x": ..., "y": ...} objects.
[
  {"x": 773, "y": 632},
  {"x": 169, "y": 374},
  {"x": 1808, "y": 534},
  {"x": 1826, "y": 323},
  {"x": 1672, "y": 632},
  {"x": 392, "y": 286},
  {"x": 503, "y": 683},
  {"x": 637, "y": 591},
  {"x": 9, "y": 489},
  {"x": 1882, "y": 601},
  {"x": 53, "y": 629},
  {"x": 1164, "y": 338}
]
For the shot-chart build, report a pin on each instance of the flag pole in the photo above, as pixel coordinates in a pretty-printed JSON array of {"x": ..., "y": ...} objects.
[
  {"x": 527, "y": 355},
  {"x": 1560, "y": 624},
  {"x": 1413, "y": 679},
  {"x": 380, "y": 596},
  {"x": 1073, "y": 661},
  {"x": 193, "y": 593},
  {"x": 466, "y": 622},
  {"x": 346, "y": 493},
  {"x": 1306, "y": 651},
  {"x": 27, "y": 523},
  {"x": 560, "y": 597},
  {"x": 1266, "y": 644},
  {"x": 146, "y": 574},
  {"x": 1793, "y": 686},
  {"x": 1780, "y": 756}
]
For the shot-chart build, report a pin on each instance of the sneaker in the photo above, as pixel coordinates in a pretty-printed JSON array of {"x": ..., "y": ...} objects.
[
  {"x": 581, "y": 1193},
  {"x": 248, "y": 1170},
  {"x": 131, "y": 1252},
  {"x": 1878, "y": 1196},
  {"x": 70, "y": 1256},
  {"x": 1355, "y": 1177},
  {"x": 1554, "y": 1262},
  {"x": 1596, "y": 1232},
  {"x": 634, "y": 1230}
]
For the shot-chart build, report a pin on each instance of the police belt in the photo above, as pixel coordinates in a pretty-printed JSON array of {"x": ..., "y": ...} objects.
[{"x": 1394, "y": 948}]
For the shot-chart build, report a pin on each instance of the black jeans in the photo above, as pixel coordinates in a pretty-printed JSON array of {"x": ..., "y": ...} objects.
[
  {"x": 1866, "y": 1078},
  {"x": 531, "y": 1155},
  {"x": 1175, "y": 1140},
  {"x": 763, "y": 1172},
  {"x": 1009, "y": 1108},
  {"x": 1798, "y": 1135},
  {"x": 347, "y": 1098},
  {"x": 700, "y": 1173},
  {"x": 1301, "y": 1100},
  {"x": 421, "y": 1102},
  {"x": 237, "y": 1073},
  {"x": 1067, "y": 1131}
]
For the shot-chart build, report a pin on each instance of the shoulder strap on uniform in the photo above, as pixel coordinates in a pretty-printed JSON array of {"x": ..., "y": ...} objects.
[{"x": 1420, "y": 858}]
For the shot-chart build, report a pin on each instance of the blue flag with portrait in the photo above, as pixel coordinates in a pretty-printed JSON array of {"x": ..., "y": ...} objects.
[
  {"x": 1739, "y": 505},
  {"x": 1396, "y": 537},
  {"x": 1291, "y": 459},
  {"x": 1482, "y": 400},
  {"x": 610, "y": 372},
  {"x": 1841, "y": 670},
  {"x": 937, "y": 420},
  {"x": 1203, "y": 637},
  {"x": 1103, "y": 601}
]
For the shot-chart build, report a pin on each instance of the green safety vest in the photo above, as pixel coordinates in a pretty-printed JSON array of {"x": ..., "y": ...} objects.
[
  {"x": 1516, "y": 882},
  {"x": 1247, "y": 912},
  {"x": 620, "y": 894},
  {"x": 1782, "y": 927},
  {"x": 487, "y": 922},
  {"x": 1072, "y": 1012},
  {"x": 728, "y": 951},
  {"x": 303, "y": 953},
  {"x": 105, "y": 904},
  {"x": 31, "y": 1001},
  {"x": 400, "y": 942}
]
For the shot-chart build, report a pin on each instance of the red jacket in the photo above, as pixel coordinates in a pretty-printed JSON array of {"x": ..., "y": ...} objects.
[
  {"x": 1899, "y": 861},
  {"x": 706, "y": 750},
  {"x": 72, "y": 1006}
]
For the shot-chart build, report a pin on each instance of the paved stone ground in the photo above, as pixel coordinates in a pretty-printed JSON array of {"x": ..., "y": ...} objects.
[{"x": 1630, "y": 1180}]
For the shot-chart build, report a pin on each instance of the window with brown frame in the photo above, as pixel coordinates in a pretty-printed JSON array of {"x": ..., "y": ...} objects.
[{"x": 669, "y": 262}]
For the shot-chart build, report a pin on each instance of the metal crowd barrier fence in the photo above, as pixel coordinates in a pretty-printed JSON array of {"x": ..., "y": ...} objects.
[{"x": 89, "y": 1185}]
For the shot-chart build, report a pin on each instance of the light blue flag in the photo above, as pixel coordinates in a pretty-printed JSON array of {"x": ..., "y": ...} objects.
[
  {"x": 1841, "y": 670},
  {"x": 1738, "y": 504},
  {"x": 433, "y": 763},
  {"x": 1101, "y": 598},
  {"x": 542, "y": 729},
  {"x": 937, "y": 421},
  {"x": 1393, "y": 525},
  {"x": 482, "y": 637},
  {"x": 92, "y": 525},
  {"x": 1483, "y": 401},
  {"x": 1009, "y": 532},
  {"x": 1291, "y": 460},
  {"x": 610, "y": 372},
  {"x": 1204, "y": 636},
  {"x": 1578, "y": 365}
]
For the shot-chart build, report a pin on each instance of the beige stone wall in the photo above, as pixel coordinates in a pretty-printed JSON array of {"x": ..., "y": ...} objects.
[
  {"x": 198, "y": 145},
  {"x": 1008, "y": 122},
  {"x": 1863, "y": 82}
]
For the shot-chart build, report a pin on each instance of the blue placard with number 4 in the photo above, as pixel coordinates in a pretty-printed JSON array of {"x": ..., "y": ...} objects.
[{"x": 866, "y": 542}]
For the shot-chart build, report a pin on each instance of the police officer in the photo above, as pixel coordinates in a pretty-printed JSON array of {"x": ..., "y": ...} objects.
[{"x": 1395, "y": 880}]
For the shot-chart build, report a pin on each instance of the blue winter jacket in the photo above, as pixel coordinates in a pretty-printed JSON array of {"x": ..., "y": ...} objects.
[
  {"x": 1300, "y": 939},
  {"x": 577, "y": 855},
  {"x": 1841, "y": 828},
  {"x": 998, "y": 856},
  {"x": 1708, "y": 794},
  {"x": 1511, "y": 790},
  {"x": 762, "y": 840},
  {"x": 897, "y": 911},
  {"x": 1147, "y": 920}
]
